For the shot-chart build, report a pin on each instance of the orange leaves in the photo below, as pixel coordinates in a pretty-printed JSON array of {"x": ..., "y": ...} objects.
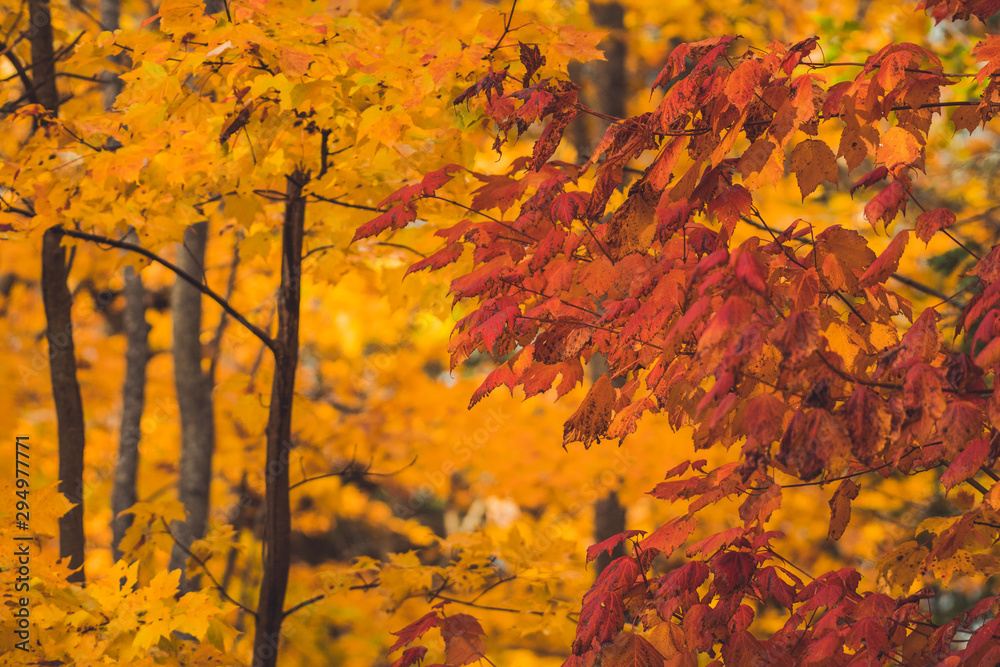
[
  {"x": 743, "y": 81},
  {"x": 812, "y": 439},
  {"x": 900, "y": 147},
  {"x": 796, "y": 337},
  {"x": 886, "y": 204},
  {"x": 671, "y": 535},
  {"x": 812, "y": 163},
  {"x": 609, "y": 545},
  {"x": 462, "y": 634},
  {"x": 748, "y": 272},
  {"x": 730, "y": 205},
  {"x": 591, "y": 420},
  {"x": 631, "y": 650},
  {"x": 395, "y": 218},
  {"x": 601, "y": 619},
  {"x": 840, "y": 508},
  {"x": 887, "y": 262},
  {"x": 865, "y": 420},
  {"x": 988, "y": 51},
  {"x": 967, "y": 463},
  {"x": 932, "y": 221}
]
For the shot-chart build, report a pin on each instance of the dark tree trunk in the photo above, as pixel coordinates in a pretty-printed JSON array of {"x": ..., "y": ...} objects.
[
  {"x": 59, "y": 324},
  {"x": 194, "y": 399},
  {"x": 277, "y": 521},
  {"x": 123, "y": 492},
  {"x": 43, "y": 65},
  {"x": 66, "y": 393}
]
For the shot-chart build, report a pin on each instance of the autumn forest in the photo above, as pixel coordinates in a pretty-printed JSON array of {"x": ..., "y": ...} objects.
[{"x": 500, "y": 332}]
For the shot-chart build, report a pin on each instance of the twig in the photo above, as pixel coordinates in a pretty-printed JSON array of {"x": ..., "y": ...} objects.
[
  {"x": 204, "y": 289},
  {"x": 205, "y": 569}
]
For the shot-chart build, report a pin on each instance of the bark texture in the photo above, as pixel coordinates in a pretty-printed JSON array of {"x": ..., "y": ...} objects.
[
  {"x": 277, "y": 520},
  {"x": 194, "y": 400},
  {"x": 43, "y": 63},
  {"x": 123, "y": 491},
  {"x": 66, "y": 393}
]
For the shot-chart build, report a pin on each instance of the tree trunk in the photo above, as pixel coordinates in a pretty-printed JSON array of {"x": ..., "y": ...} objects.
[
  {"x": 59, "y": 324},
  {"x": 123, "y": 492},
  {"x": 609, "y": 520},
  {"x": 610, "y": 76},
  {"x": 194, "y": 400},
  {"x": 43, "y": 65},
  {"x": 277, "y": 521},
  {"x": 110, "y": 16},
  {"x": 66, "y": 393}
]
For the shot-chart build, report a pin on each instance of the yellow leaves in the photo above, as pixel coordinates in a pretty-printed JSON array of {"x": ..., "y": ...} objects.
[
  {"x": 492, "y": 23},
  {"x": 901, "y": 567},
  {"x": 403, "y": 574},
  {"x": 251, "y": 413},
  {"x": 384, "y": 126},
  {"x": 183, "y": 16}
]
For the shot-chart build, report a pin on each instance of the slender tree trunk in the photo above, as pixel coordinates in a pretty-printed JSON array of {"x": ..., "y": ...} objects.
[
  {"x": 611, "y": 76},
  {"x": 277, "y": 521},
  {"x": 66, "y": 392},
  {"x": 110, "y": 16},
  {"x": 194, "y": 399},
  {"x": 59, "y": 324},
  {"x": 123, "y": 492},
  {"x": 43, "y": 65}
]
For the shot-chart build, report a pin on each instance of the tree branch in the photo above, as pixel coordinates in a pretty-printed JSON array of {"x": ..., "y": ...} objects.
[{"x": 204, "y": 289}]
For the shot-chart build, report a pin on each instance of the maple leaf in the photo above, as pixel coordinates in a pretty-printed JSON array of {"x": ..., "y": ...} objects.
[
  {"x": 930, "y": 222},
  {"x": 730, "y": 205},
  {"x": 796, "y": 337},
  {"x": 631, "y": 650},
  {"x": 498, "y": 192},
  {"x": 967, "y": 463},
  {"x": 671, "y": 219},
  {"x": 743, "y": 81},
  {"x": 463, "y": 639},
  {"x": 411, "y": 656},
  {"x": 503, "y": 375},
  {"x": 733, "y": 570},
  {"x": 864, "y": 423},
  {"x": 811, "y": 439},
  {"x": 395, "y": 218},
  {"x": 716, "y": 542},
  {"x": 987, "y": 50},
  {"x": 840, "y": 508},
  {"x": 491, "y": 84},
  {"x": 742, "y": 648},
  {"x": 813, "y": 162},
  {"x": 769, "y": 583},
  {"x": 532, "y": 59},
  {"x": 872, "y": 177},
  {"x": 899, "y": 147},
  {"x": 886, "y": 263},
  {"x": 669, "y": 536},
  {"x": 415, "y": 629},
  {"x": 601, "y": 619},
  {"x": 886, "y": 204},
  {"x": 590, "y": 421},
  {"x": 609, "y": 544}
]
